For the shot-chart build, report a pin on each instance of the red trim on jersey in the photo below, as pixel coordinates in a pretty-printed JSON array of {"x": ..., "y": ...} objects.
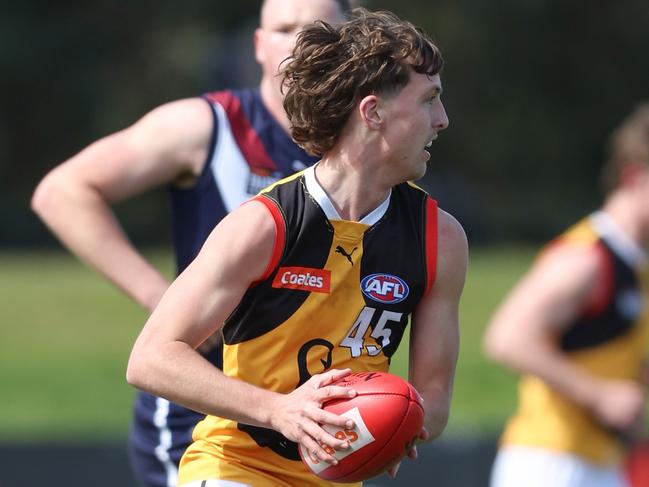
[
  {"x": 603, "y": 290},
  {"x": 636, "y": 464},
  {"x": 247, "y": 139},
  {"x": 280, "y": 235},
  {"x": 431, "y": 242}
]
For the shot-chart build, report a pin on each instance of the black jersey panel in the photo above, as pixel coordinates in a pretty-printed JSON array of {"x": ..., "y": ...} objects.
[
  {"x": 400, "y": 234},
  {"x": 265, "y": 307},
  {"x": 615, "y": 319}
]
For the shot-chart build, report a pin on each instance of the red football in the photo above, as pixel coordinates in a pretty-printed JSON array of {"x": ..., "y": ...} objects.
[{"x": 388, "y": 415}]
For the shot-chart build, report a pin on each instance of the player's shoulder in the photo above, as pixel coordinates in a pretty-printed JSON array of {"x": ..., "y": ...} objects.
[
  {"x": 453, "y": 244},
  {"x": 292, "y": 182},
  {"x": 449, "y": 227},
  {"x": 235, "y": 101},
  {"x": 578, "y": 260},
  {"x": 415, "y": 191},
  {"x": 242, "y": 243},
  {"x": 254, "y": 211},
  {"x": 579, "y": 245},
  {"x": 451, "y": 237},
  {"x": 187, "y": 114},
  {"x": 252, "y": 225}
]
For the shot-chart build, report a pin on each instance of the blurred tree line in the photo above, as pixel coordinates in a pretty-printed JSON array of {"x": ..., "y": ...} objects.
[{"x": 532, "y": 89}]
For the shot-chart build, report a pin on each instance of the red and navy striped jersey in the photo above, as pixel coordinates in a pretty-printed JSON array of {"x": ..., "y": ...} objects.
[{"x": 249, "y": 151}]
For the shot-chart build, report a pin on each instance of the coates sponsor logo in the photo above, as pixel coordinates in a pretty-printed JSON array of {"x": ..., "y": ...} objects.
[
  {"x": 303, "y": 278},
  {"x": 385, "y": 288}
]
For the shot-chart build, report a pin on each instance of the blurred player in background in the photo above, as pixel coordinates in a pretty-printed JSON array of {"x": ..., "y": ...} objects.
[
  {"x": 214, "y": 152},
  {"x": 319, "y": 274},
  {"x": 576, "y": 328}
]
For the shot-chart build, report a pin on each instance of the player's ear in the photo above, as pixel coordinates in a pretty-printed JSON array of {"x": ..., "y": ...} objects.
[
  {"x": 369, "y": 111},
  {"x": 632, "y": 173},
  {"x": 258, "y": 43}
]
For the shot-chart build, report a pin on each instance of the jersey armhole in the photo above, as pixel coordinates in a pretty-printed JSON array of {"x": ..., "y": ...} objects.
[
  {"x": 214, "y": 137},
  {"x": 280, "y": 235},
  {"x": 602, "y": 293},
  {"x": 430, "y": 240}
]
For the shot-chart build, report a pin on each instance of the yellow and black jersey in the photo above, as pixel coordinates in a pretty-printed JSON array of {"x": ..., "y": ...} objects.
[
  {"x": 609, "y": 339},
  {"x": 337, "y": 294}
]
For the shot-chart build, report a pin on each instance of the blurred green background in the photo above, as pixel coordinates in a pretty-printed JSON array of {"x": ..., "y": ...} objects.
[
  {"x": 532, "y": 89},
  {"x": 66, "y": 336}
]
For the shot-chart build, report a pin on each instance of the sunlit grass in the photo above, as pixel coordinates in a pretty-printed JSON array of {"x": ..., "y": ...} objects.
[{"x": 65, "y": 336}]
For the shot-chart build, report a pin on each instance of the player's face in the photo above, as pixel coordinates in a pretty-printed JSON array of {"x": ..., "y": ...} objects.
[
  {"x": 281, "y": 20},
  {"x": 641, "y": 195},
  {"x": 413, "y": 119}
]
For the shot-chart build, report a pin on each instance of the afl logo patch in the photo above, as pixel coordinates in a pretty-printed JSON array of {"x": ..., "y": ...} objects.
[{"x": 385, "y": 288}]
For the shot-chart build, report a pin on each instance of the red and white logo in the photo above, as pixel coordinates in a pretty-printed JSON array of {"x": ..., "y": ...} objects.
[
  {"x": 304, "y": 279},
  {"x": 358, "y": 437},
  {"x": 385, "y": 288}
]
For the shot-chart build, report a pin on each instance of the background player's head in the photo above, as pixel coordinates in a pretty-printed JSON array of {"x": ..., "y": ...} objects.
[
  {"x": 626, "y": 171},
  {"x": 280, "y": 21},
  {"x": 334, "y": 67},
  {"x": 628, "y": 147}
]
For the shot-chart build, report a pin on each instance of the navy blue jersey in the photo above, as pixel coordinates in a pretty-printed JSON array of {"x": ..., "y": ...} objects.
[{"x": 248, "y": 151}]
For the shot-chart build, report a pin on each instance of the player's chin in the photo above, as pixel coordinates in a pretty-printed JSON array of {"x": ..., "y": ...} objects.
[{"x": 418, "y": 171}]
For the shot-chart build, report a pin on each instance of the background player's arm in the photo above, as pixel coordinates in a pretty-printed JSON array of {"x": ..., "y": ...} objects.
[
  {"x": 168, "y": 144},
  {"x": 164, "y": 361},
  {"x": 523, "y": 334},
  {"x": 434, "y": 339}
]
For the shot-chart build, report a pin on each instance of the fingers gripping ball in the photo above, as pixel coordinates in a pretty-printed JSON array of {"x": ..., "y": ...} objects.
[{"x": 388, "y": 415}]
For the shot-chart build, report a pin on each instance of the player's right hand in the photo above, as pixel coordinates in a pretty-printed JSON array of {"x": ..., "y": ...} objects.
[
  {"x": 299, "y": 414},
  {"x": 619, "y": 404}
]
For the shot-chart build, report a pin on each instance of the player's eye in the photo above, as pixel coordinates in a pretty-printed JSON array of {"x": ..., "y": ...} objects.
[{"x": 285, "y": 29}]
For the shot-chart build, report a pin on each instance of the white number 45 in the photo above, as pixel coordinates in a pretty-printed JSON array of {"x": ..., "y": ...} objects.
[{"x": 355, "y": 337}]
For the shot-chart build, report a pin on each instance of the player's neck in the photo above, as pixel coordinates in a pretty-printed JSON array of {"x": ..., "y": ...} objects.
[
  {"x": 624, "y": 212},
  {"x": 351, "y": 189}
]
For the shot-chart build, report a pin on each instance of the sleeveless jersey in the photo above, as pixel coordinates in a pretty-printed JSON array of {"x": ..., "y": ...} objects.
[
  {"x": 339, "y": 295},
  {"x": 608, "y": 339},
  {"x": 249, "y": 150}
]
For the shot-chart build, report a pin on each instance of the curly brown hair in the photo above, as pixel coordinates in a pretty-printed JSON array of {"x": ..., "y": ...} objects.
[
  {"x": 629, "y": 143},
  {"x": 332, "y": 67}
]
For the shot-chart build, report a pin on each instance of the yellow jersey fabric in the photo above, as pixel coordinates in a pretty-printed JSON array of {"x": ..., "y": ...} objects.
[{"x": 339, "y": 296}]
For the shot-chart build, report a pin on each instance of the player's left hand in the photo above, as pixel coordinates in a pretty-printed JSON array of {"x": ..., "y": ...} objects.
[{"x": 411, "y": 452}]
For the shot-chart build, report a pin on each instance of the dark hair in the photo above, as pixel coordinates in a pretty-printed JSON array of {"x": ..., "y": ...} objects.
[
  {"x": 332, "y": 67},
  {"x": 629, "y": 143}
]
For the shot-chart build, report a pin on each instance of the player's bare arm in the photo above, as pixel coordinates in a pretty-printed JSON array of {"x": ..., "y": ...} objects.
[
  {"x": 522, "y": 334},
  {"x": 168, "y": 144},
  {"x": 434, "y": 340},
  {"x": 434, "y": 335},
  {"x": 165, "y": 363}
]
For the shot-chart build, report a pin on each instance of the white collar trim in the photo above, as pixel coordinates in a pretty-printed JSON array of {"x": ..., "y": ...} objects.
[
  {"x": 627, "y": 249},
  {"x": 321, "y": 197}
]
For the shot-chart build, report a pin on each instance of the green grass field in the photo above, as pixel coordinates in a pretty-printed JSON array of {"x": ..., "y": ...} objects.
[{"x": 65, "y": 336}]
